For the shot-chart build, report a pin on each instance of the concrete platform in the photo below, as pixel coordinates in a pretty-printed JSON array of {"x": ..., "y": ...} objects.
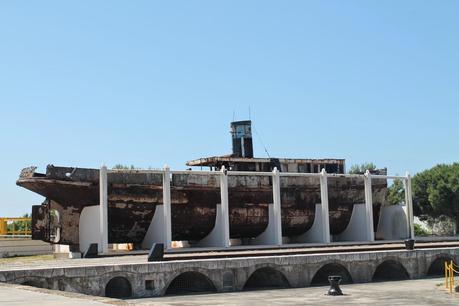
[
  {"x": 133, "y": 276},
  {"x": 23, "y": 246},
  {"x": 411, "y": 292}
]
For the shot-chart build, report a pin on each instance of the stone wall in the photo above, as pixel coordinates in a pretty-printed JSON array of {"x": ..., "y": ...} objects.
[{"x": 223, "y": 275}]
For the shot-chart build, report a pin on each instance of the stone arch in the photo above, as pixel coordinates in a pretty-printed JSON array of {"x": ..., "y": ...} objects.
[
  {"x": 333, "y": 268},
  {"x": 190, "y": 282},
  {"x": 266, "y": 278},
  {"x": 390, "y": 270},
  {"x": 118, "y": 287},
  {"x": 33, "y": 283},
  {"x": 437, "y": 266}
]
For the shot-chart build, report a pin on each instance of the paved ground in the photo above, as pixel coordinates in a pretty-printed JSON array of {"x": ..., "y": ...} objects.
[
  {"x": 25, "y": 295},
  {"x": 411, "y": 292}
]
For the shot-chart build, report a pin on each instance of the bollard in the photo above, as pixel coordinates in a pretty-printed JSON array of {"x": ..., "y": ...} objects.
[
  {"x": 334, "y": 281},
  {"x": 156, "y": 252},
  {"x": 409, "y": 244}
]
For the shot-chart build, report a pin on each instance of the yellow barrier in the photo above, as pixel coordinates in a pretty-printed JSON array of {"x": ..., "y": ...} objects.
[
  {"x": 15, "y": 226},
  {"x": 449, "y": 275}
]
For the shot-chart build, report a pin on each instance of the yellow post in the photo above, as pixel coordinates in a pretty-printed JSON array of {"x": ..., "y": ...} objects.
[
  {"x": 452, "y": 276},
  {"x": 446, "y": 275},
  {"x": 3, "y": 227}
]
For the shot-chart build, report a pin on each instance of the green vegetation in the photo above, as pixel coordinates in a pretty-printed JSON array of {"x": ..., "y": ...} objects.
[
  {"x": 20, "y": 225},
  {"x": 419, "y": 231},
  {"x": 124, "y": 167},
  {"x": 360, "y": 169},
  {"x": 436, "y": 193},
  {"x": 396, "y": 192}
]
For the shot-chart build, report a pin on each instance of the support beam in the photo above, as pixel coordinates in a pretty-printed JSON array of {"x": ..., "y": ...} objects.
[
  {"x": 167, "y": 208},
  {"x": 409, "y": 205},
  {"x": 224, "y": 221},
  {"x": 103, "y": 215},
  {"x": 277, "y": 207},
  {"x": 324, "y": 203},
  {"x": 369, "y": 207}
]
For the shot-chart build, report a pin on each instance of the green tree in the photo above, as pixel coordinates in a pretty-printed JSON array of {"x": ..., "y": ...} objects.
[
  {"x": 123, "y": 167},
  {"x": 396, "y": 192},
  {"x": 20, "y": 225},
  {"x": 436, "y": 193},
  {"x": 360, "y": 169}
]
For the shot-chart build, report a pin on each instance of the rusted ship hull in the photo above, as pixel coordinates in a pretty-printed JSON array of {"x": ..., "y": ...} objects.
[{"x": 134, "y": 196}]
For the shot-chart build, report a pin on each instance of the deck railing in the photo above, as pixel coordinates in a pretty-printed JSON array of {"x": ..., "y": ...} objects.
[{"x": 223, "y": 219}]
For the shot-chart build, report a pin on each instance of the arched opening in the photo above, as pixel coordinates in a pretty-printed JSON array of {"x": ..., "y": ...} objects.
[
  {"x": 33, "y": 283},
  {"x": 437, "y": 267},
  {"x": 390, "y": 270},
  {"x": 266, "y": 278},
  {"x": 189, "y": 283},
  {"x": 321, "y": 276},
  {"x": 118, "y": 287}
]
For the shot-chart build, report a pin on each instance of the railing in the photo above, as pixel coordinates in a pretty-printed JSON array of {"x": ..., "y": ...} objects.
[
  {"x": 13, "y": 227},
  {"x": 449, "y": 275}
]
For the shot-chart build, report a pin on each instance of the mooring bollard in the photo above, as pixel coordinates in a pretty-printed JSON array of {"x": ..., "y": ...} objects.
[
  {"x": 409, "y": 244},
  {"x": 334, "y": 281}
]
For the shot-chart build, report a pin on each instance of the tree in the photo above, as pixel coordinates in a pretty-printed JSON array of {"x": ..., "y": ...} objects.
[
  {"x": 396, "y": 192},
  {"x": 436, "y": 193},
  {"x": 360, "y": 169},
  {"x": 123, "y": 167}
]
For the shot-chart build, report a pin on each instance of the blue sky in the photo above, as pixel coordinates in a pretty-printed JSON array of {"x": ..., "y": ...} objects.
[{"x": 149, "y": 83}]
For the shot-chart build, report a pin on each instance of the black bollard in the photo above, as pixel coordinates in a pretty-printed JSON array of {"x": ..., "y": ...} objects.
[
  {"x": 92, "y": 251},
  {"x": 409, "y": 244},
  {"x": 334, "y": 281},
  {"x": 156, "y": 252}
]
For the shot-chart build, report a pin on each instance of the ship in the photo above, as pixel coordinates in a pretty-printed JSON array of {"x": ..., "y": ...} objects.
[{"x": 134, "y": 195}]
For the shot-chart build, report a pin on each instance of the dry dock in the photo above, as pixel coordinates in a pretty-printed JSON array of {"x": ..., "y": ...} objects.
[{"x": 134, "y": 277}]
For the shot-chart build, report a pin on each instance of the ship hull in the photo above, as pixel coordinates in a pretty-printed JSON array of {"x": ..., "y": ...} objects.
[{"x": 133, "y": 198}]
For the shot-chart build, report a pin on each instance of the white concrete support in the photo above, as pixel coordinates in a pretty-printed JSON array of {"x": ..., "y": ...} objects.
[
  {"x": 368, "y": 207},
  {"x": 219, "y": 236},
  {"x": 103, "y": 213},
  {"x": 89, "y": 225},
  {"x": 357, "y": 229},
  {"x": 392, "y": 223},
  {"x": 409, "y": 205},
  {"x": 156, "y": 232},
  {"x": 167, "y": 208},
  {"x": 324, "y": 202},
  {"x": 315, "y": 233},
  {"x": 272, "y": 235},
  {"x": 160, "y": 228},
  {"x": 216, "y": 237}
]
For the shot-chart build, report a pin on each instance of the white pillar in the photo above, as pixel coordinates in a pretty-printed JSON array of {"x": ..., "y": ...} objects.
[
  {"x": 277, "y": 207},
  {"x": 369, "y": 207},
  {"x": 167, "y": 207},
  {"x": 409, "y": 205},
  {"x": 224, "y": 207},
  {"x": 103, "y": 206},
  {"x": 324, "y": 204}
]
